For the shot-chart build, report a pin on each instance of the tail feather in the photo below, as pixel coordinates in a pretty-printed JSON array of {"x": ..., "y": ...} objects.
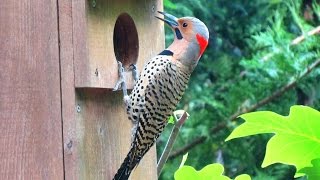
[
  {"x": 130, "y": 162},
  {"x": 125, "y": 169}
]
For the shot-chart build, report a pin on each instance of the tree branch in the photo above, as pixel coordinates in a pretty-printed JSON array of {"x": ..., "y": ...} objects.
[
  {"x": 294, "y": 42},
  {"x": 291, "y": 84},
  {"x": 173, "y": 136},
  {"x": 303, "y": 37}
]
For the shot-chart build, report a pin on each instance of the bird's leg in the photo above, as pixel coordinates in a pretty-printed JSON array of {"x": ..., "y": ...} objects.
[
  {"x": 121, "y": 82},
  {"x": 135, "y": 75}
]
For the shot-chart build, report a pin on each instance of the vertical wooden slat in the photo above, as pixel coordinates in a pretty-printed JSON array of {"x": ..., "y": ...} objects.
[
  {"x": 70, "y": 141},
  {"x": 30, "y": 103}
]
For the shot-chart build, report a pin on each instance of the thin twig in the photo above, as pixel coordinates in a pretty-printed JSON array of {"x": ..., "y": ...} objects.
[
  {"x": 264, "y": 101},
  {"x": 303, "y": 37},
  {"x": 173, "y": 136},
  {"x": 294, "y": 42}
]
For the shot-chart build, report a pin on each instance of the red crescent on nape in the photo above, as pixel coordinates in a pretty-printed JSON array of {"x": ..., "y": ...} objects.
[{"x": 203, "y": 43}]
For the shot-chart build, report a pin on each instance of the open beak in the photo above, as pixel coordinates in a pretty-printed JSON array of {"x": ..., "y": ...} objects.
[{"x": 171, "y": 20}]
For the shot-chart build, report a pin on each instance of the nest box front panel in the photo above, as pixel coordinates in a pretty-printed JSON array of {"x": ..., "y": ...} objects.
[{"x": 108, "y": 30}]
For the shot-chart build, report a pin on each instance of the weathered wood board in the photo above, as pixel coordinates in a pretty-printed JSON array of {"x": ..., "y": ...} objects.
[{"x": 30, "y": 103}]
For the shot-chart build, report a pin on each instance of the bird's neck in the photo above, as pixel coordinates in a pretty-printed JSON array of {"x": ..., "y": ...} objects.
[
  {"x": 178, "y": 47},
  {"x": 185, "y": 52}
]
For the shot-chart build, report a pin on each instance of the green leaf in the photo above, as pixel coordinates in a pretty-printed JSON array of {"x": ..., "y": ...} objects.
[
  {"x": 186, "y": 172},
  {"x": 212, "y": 171},
  {"x": 171, "y": 120},
  {"x": 243, "y": 177},
  {"x": 313, "y": 172},
  {"x": 297, "y": 136}
]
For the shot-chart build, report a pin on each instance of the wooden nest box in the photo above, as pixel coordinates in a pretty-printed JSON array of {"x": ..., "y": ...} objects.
[{"x": 58, "y": 71}]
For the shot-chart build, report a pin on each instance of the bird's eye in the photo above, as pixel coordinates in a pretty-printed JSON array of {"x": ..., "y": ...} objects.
[{"x": 184, "y": 25}]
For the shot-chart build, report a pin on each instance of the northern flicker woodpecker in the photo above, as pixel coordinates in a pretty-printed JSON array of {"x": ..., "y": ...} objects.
[{"x": 161, "y": 85}]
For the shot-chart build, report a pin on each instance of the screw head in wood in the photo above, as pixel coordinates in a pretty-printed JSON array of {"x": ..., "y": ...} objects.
[
  {"x": 96, "y": 72},
  {"x": 78, "y": 108}
]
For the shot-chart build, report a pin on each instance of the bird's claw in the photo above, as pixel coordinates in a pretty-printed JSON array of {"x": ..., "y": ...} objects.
[
  {"x": 120, "y": 83},
  {"x": 135, "y": 72}
]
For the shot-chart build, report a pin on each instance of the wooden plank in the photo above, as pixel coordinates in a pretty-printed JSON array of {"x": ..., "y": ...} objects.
[
  {"x": 104, "y": 133},
  {"x": 93, "y": 37},
  {"x": 70, "y": 141},
  {"x": 30, "y": 109}
]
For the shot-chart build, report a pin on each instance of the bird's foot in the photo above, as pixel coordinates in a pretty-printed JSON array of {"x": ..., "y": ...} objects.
[
  {"x": 121, "y": 77},
  {"x": 121, "y": 81}
]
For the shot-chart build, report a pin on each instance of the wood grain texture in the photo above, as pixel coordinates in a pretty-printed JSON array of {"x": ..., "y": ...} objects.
[
  {"x": 104, "y": 134},
  {"x": 93, "y": 37},
  {"x": 30, "y": 103},
  {"x": 70, "y": 141}
]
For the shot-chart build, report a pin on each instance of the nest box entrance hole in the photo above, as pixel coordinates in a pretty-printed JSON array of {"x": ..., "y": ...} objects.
[{"x": 125, "y": 40}]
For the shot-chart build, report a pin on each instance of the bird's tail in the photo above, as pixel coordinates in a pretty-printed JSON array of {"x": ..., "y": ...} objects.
[{"x": 126, "y": 167}]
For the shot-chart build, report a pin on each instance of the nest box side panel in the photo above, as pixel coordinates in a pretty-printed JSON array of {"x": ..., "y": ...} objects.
[
  {"x": 104, "y": 134},
  {"x": 98, "y": 43},
  {"x": 30, "y": 102}
]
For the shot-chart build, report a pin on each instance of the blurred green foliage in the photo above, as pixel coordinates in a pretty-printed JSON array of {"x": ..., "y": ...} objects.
[{"x": 248, "y": 58}]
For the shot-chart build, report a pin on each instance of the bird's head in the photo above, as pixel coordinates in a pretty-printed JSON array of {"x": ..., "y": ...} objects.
[{"x": 191, "y": 38}]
